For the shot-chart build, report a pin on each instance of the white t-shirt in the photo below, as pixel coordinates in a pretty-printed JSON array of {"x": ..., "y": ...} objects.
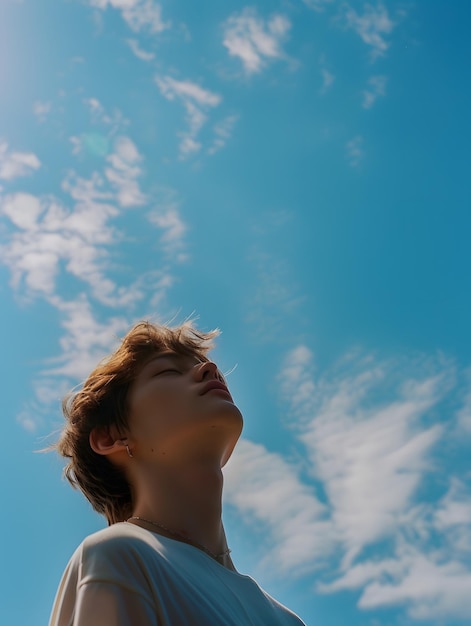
[{"x": 125, "y": 575}]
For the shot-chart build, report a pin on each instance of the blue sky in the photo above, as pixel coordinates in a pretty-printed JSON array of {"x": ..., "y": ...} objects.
[{"x": 297, "y": 174}]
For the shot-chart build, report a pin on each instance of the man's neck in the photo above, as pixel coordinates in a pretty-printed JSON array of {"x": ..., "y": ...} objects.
[{"x": 187, "y": 501}]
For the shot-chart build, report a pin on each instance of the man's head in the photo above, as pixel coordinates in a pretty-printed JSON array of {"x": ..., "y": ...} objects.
[{"x": 103, "y": 403}]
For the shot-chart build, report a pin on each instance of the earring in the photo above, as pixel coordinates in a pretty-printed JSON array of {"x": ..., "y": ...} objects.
[{"x": 127, "y": 448}]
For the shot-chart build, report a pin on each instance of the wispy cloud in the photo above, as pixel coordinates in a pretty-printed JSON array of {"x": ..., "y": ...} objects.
[
  {"x": 376, "y": 88},
  {"x": 16, "y": 164},
  {"x": 48, "y": 242},
  {"x": 355, "y": 151},
  {"x": 48, "y": 233},
  {"x": 86, "y": 340},
  {"x": 371, "y": 458},
  {"x": 167, "y": 218},
  {"x": 223, "y": 132},
  {"x": 95, "y": 107},
  {"x": 453, "y": 515},
  {"x": 345, "y": 439},
  {"x": 28, "y": 420},
  {"x": 255, "y": 41},
  {"x": 99, "y": 115},
  {"x": 373, "y": 26},
  {"x": 197, "y": 102},
  {"x": 297, "y": 374},
  {"x": 429, "y": 586},
  {"x": 137, "y": 51},
  {"x": 172, "y": 225},
  {"x": 327, "y": 77},
  {"x": 47, "y": 237},
  {"x": 371, "y": 441},
  {"x": 23, "y": 209},
  {"x": 327, "y": 80},
  {"x": 274, "y": 295},
  {"x": 257, "y": 482},
  {"x": 139, "y": 14},
  {"x": 124, "y": 173},
  {"x": 187, "y": 91}
]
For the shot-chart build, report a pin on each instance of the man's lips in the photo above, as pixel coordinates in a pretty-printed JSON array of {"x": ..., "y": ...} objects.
[{"x": 214, "y": 384}]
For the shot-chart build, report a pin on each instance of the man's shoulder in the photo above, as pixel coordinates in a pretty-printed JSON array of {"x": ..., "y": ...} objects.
[
  {"x": 119, "y": 551},
  {"x": 121, "y": 537},
  {"x": 111, "y": 535}
]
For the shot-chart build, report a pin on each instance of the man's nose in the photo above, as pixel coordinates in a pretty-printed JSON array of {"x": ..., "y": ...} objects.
[{"x": 206, "y": 370}]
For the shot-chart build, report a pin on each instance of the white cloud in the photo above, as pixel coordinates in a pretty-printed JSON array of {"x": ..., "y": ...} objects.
[
  {"x": 187, "y": 91},
  {"x": 188, "y": 145},
  {"x": 376, "y": 88},
  {"x": 15, "y": 164},
  {"x": 275, "y": 293},
  {"x": 139, "y": 14},
  {"x": 453, "y": 516},
  {"x": 355, "y": 151},
  {"x": 327, "y": 80},
  {"x": 28, "y": 420},
  {"x": 174, "y": 229},
  {"x": 23, "y": 209},
  {"x": 94, "y": 106},
  {"x": 86, "y": 340},
  {"x": 51, "y": 236},
  {"x": 41, "y": 110},
  {"x": 49, "y": 390},
  {"x": 429, "y": 589},
  {"x": 371, "y": 456},
  {"x": 171, "y": 223},
  {"x": 346, "y": 441},
  {"x": 124, "y": 172},
  {"x": 297, "y": 374},
  {"x": 327, "y": 77},
  {"x": 167, "y": 218},
  {"x": 223, "y": 132},
  {"x": 35, "y": 252},
  {"x": 196, "y": 100},
  {"x": 77, "y": 144},
  {"x": 257, "y": 482},
  {"x": 372, "y": 26},
  {"x": 47, "y": 240},
  {"x": 255, "y": 41},
  {"x": 428, "y": 586},
  {"x": 125, "y": 154},
  {"x": 137, "y": 51},
  {"x": 99, "y": 115}
]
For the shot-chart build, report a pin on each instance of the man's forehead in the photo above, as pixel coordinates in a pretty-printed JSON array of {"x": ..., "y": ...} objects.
[{"x": 175, "y": 356}]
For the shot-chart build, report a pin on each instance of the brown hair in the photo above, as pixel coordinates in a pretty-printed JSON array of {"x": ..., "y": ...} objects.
[{"x": 102, "y": 402}]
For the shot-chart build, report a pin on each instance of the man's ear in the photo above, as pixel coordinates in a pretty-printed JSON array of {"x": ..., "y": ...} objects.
[{"x": 106, "y": 440}]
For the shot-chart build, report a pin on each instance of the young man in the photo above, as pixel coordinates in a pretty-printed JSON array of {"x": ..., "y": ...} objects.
[{"x": 146, "y": 438}]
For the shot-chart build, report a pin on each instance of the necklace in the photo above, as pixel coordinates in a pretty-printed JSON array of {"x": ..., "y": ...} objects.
[{"x": 183, "y": 538}]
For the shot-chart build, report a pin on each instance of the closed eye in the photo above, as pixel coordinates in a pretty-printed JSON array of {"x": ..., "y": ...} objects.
[{"x": 169, "y": 370}]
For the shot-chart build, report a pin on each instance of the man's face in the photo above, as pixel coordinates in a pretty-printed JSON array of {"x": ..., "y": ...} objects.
[{"x": 179, "y": 407}]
